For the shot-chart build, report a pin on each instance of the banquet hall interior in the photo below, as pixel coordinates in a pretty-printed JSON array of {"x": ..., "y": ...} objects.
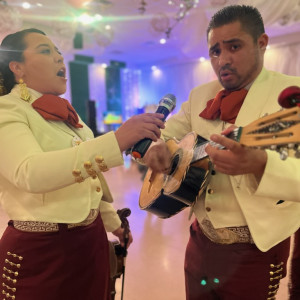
[{"x": 122, "y": 57}]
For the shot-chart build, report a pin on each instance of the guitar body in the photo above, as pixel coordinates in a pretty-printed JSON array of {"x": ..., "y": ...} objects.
[{"x": 166, "y": 195}]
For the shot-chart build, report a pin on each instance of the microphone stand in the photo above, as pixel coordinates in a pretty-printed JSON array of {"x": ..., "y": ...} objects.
[{"x": 123, "y": 214}]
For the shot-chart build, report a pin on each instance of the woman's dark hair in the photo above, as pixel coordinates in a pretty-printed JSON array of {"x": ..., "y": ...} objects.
[
  {"x": 11, "y": 49},
  {"x": 249, "y": 17}
]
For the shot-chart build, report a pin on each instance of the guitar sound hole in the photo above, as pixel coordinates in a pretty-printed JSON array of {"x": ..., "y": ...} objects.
[{"x": 174, "y": 165}]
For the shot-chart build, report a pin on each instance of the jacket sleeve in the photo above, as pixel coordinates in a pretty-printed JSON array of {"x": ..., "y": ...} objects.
[
  {"x": 280, "y": 179},
  {"x": 32, "y": 169},
  {"x": 109, "y": 216}
]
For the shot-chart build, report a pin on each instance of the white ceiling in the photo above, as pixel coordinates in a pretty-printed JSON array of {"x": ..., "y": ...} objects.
[{"x": 134, "y": 40}]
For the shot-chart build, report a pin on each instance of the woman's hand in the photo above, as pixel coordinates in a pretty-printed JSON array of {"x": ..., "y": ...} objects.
[
  {"x": 119, "y": 233},
  {"x": 139, "y": 127}
]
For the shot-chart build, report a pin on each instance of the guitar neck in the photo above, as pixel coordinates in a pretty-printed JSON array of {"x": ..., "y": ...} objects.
[{"x": 199, "y": 150}]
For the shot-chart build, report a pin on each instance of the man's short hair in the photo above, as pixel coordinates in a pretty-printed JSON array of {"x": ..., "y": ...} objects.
[{"x": 249, "y": 17}]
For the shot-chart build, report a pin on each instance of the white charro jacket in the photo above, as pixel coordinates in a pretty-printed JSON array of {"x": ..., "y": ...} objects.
[
  {"x": 239, "y": 200},
  {"x": 38, "y": 158}
]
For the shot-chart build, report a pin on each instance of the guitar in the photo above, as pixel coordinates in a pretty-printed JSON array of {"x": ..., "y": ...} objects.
[{"x": 167, "y": 194}]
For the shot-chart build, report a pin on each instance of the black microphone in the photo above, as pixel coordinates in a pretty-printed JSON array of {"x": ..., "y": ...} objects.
[
  {"x": 289, "y": 97},
  {"x": 166, "y": 105}
]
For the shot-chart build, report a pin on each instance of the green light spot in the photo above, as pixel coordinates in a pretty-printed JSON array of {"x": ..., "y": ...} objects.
[
  {"x": 216, "y": 280},
  {"x": 203, "y": 282}
]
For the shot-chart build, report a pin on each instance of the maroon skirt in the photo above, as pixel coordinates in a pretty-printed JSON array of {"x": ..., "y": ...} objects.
[{"x": 64, "y": 265}]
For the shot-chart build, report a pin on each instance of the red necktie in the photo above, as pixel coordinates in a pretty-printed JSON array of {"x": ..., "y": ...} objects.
[
  {"x": 225, "y": 105},
  {"x": 52, "y": 107}
]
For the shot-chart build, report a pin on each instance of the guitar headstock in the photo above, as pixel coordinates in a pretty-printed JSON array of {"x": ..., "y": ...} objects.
[{"x": 279, "y": 131}]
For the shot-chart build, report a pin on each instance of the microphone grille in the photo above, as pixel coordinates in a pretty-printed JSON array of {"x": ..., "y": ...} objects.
[
  {"x": 169, "y": 101},
  {"x": 170, "y": 96}
]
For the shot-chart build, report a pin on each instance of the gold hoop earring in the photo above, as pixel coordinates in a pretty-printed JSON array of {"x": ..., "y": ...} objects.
[{"x": 24, "y": 93}]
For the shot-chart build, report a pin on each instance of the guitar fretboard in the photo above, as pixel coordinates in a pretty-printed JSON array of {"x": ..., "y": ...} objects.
[{"x": 199, "y": 150}]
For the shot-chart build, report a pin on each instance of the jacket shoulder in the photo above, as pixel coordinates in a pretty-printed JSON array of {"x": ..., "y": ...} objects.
[
  {"x": 212, "y": 85},
  {"x": 284, "y": 79},
  {"x": 205, "y": 91}
]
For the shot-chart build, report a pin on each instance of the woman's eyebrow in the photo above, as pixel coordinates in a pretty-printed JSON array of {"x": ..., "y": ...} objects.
[{"x": 42, "y": 45}]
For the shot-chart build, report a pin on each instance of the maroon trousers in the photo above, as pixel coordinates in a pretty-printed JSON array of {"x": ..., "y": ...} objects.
[
  {"x": 232, "y": 272},
  {"x": 294, "y": 280},
  {"x": 71, "y": 264}
]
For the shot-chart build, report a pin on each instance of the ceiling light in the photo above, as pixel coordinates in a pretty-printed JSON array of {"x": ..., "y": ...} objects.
[
  {"x": 98, "y": 17},
  {"x": 26, "y": 5},
  {"x": 85, "y": 19}
]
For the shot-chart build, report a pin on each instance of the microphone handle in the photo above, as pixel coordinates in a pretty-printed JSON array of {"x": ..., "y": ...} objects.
[
  {"x": 141, "y": 147},
  {"x": 163, "y": 110}
]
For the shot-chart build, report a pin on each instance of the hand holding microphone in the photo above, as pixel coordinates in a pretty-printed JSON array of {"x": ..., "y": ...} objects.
[
  {"x": 141, "y": 130},
  {"x": 138, "y": 127},
  {"x": 166, "y": 105}
]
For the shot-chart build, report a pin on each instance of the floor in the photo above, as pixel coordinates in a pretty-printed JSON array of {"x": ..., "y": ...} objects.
[{"x": 154, "y": 265}]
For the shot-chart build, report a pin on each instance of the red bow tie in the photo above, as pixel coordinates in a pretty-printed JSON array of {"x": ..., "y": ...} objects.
[
  {"x": 225, "y": 105},
  {"x": 52, "y": 107}
]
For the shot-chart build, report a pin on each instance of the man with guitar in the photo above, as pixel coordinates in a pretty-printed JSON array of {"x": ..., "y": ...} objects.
[{"x": 239, "y": 241}]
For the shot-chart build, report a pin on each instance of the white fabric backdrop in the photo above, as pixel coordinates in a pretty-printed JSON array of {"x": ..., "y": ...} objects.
[
  {"x": 285, "y": 59},
  {"x": 179, "y": 79}
]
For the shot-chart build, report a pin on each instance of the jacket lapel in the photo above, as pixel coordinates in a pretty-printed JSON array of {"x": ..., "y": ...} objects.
[
  {"x": 256, "y": 99},
  {"x": 63, "y": 126}
]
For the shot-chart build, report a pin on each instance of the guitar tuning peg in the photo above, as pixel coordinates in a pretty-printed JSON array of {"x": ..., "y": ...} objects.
[
  {"x": 273, "y": 147},
  {"x": 297, "y": 153},
  {"x": 292, "y": 146},
  {"x": 283, "y": 152}
]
